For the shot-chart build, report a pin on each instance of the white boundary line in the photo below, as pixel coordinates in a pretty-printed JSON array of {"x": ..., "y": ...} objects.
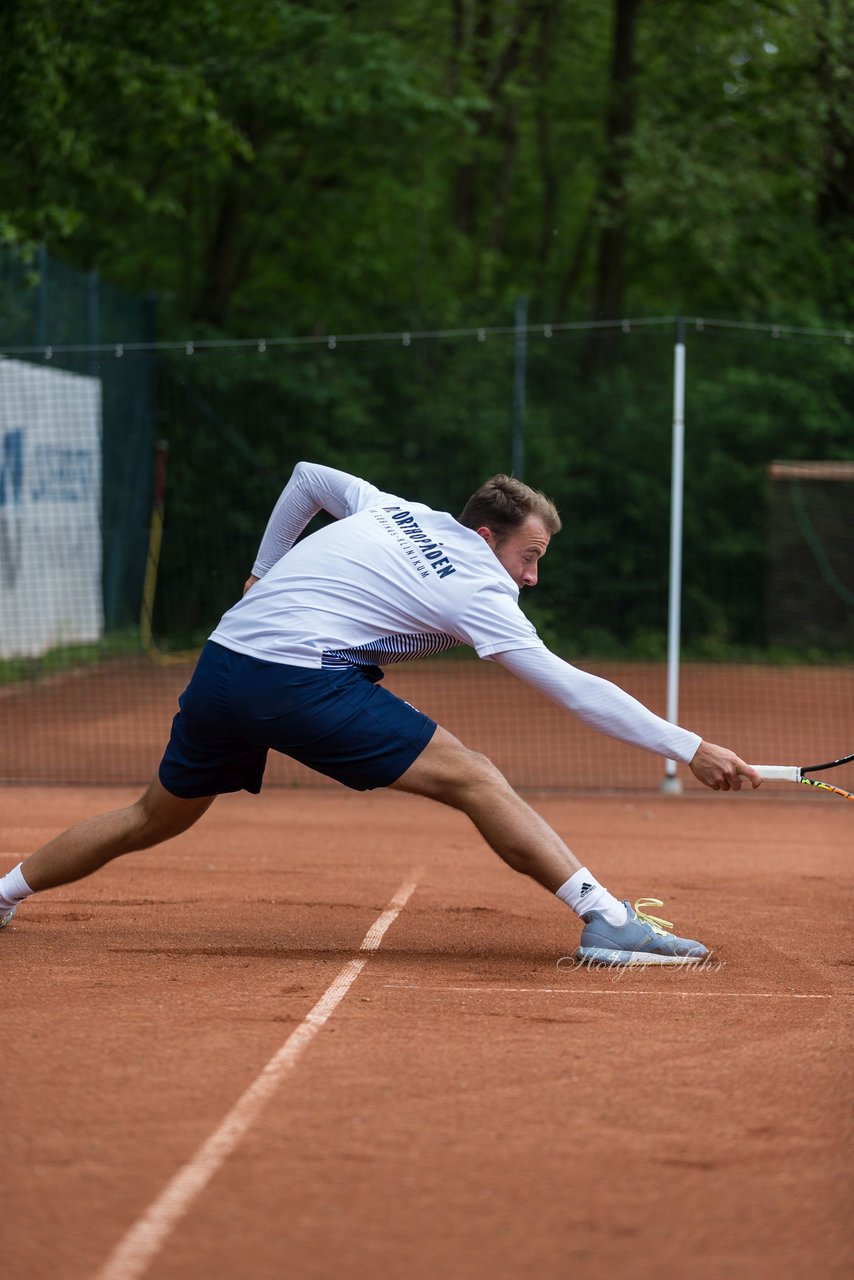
[
  {"x": 143, "y": 1241},
  {"x": 612, "y": 991}
]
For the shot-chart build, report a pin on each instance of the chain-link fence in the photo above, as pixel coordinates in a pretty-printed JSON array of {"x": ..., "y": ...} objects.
[{"x": 586, "y": 412}]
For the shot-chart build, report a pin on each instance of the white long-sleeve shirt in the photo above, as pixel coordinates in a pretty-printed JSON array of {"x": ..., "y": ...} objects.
[{"x": 392, "y": 580}]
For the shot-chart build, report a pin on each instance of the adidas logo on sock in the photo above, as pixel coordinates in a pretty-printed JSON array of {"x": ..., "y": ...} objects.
[{"x": 585, "y": 889}]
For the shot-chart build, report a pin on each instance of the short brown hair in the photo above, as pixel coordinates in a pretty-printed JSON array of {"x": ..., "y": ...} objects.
[{"x": 503, "y": 503}]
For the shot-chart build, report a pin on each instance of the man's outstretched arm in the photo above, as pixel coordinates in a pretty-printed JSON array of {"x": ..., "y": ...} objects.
[{"x": 610, "y": 710}]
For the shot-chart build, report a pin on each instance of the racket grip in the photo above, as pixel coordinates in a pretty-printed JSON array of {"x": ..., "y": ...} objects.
[{"x": 779, "y": 772}]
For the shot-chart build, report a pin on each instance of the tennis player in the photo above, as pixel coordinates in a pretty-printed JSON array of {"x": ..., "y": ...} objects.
[{"x": 295, "y": 666}]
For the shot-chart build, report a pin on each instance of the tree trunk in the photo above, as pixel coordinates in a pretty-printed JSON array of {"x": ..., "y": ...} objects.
[
  {"x": 467, "y": 177},
  {"x": 835, "y": 193},
  {"x": 611, "y": 202},
  {"x": 545, "y": 152},
  {"x": 509, "y": 134},
  {"x": 221, "y": 270},
  {"x": 492, "y": 71},
  {"x": 458, "y": 35},
  {"x": 574, "y": 271}
]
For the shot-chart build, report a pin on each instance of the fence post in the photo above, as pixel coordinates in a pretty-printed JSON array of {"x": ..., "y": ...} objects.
[
  {"x": 93, "y": 320},
  {"x": 520, "y": 358},
  {"x": 671, "y": 784},
  {"x": 41, "y": 297}
]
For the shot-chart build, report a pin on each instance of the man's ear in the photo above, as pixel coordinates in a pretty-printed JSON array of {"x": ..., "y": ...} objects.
[{"x": 486, "y": 533}]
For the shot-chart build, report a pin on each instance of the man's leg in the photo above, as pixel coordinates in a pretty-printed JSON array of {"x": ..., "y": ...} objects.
[
  {"x": 614, "y": 933},
  {"x": 449, "y": 772},
  {"x": 156, "y": 816}
]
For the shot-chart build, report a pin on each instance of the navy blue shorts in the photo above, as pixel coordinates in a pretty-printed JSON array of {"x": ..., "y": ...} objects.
[{"x": 339, "y": 722}]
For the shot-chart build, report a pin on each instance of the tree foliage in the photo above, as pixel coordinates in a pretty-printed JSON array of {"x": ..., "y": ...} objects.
[
  {"x": 295, "y": 166},
  {"x": 275, "y": 167}
]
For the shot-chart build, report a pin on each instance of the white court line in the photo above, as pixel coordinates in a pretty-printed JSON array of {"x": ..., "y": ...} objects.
[
  {"x": 612, "y": 991},
  {"x": 131, "y": 1257}
]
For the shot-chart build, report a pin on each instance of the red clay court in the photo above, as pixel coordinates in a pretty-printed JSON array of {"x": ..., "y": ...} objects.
[{"x": 329, "y": 1035}]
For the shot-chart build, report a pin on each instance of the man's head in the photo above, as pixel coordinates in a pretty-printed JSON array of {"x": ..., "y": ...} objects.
[{"x": 516, "y": 521}]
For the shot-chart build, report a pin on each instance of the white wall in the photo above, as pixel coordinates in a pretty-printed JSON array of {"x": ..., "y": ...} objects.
[{"x": 50, "y": 509}]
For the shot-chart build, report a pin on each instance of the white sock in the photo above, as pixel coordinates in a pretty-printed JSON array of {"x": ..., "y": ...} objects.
[
  {"x": 13, "y": 888},
  {"x": 584, "y": 893}
]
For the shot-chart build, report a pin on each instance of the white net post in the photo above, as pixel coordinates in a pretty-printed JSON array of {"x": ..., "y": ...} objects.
[{"x": 671, "y": 784}]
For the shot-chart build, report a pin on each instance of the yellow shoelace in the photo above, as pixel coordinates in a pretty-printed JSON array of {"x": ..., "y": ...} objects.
[{"x": 654, "y": 922}]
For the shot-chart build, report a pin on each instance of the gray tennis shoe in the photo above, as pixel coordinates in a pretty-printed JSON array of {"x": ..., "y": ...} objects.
[
  {"x": 6, "y": 917},
  {"x": 643, "y": 939}
]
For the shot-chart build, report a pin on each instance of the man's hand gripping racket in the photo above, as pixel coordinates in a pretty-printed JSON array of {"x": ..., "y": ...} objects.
[
  {"x": 798, "y": 773},
  {"x": 721, "y": 769}
]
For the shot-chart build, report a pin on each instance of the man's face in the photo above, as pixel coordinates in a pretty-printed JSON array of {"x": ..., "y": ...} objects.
[{"x": 521, "y": 550}]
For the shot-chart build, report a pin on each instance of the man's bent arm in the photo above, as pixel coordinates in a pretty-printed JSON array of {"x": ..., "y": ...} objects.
[{"x": 311, "y": 488}]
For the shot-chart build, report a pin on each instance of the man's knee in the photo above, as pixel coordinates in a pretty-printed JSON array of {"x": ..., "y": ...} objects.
[
  {"x": 160, "y": 814},
  {"x": 450, "y": 772}
]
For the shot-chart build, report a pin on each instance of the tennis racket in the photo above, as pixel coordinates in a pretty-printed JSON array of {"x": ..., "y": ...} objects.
[{"x": 798, "y": 773}]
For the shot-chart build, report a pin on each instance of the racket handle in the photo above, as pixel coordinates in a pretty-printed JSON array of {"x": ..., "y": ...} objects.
[{"x": 779, "y": 772}]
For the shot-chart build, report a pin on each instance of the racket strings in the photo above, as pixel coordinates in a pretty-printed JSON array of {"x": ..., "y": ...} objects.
[{"x": 825, "y": 786}]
